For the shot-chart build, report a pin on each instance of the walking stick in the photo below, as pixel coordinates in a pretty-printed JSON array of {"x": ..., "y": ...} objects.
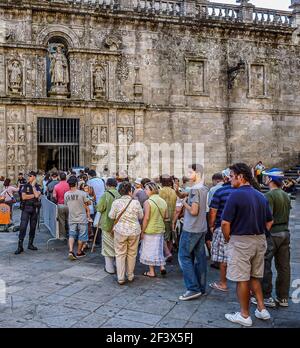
[{"x": 95, "y": 237}]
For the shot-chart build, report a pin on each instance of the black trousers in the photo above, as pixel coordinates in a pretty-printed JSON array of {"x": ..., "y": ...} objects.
[{"x": 29, "y": 216}]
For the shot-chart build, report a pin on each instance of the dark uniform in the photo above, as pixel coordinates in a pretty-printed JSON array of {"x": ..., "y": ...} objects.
[{"x": 30, "y": 211}]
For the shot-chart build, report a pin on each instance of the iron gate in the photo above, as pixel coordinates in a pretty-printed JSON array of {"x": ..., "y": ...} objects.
[{"x": 63, "y": 134}]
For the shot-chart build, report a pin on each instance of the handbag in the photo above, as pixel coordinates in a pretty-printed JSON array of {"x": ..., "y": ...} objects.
[{"x": 119, "y": 217}]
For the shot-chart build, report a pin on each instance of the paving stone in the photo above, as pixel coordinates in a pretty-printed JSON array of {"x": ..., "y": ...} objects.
[
  {"x": 109, "y": 311},
  {"x": 146, "y": 318},
  {"x": 151, "y": 305},
  {"x": 91, "y": 321},
  {"x": 183, "y": 310}
]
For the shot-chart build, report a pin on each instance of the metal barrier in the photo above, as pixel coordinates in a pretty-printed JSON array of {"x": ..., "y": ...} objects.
[{"x": 50, "y": 218}]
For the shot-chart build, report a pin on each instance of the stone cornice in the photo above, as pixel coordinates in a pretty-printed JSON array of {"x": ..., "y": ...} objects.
[
  {"x": 73, "y": 103},
  {"x": 263, "y": 20}
]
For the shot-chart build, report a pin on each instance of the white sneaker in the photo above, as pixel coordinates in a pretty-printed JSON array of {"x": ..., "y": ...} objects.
[
  {"x": 239, "y": 319},
  {"x": 264, "y": 314}
]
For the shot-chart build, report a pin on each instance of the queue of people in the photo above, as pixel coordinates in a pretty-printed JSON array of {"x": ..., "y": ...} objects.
[{"x": 239, "y": 227}]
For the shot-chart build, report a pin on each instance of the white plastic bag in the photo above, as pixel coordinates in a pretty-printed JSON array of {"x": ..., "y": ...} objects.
[{"x": 97, "y": 219}]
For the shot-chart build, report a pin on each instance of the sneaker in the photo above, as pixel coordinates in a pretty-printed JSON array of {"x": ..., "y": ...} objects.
[
  {"x": 239, "y": 319},
  {"x": 264, "y": 314},
  {"x": 81, "y": 254},
  {"x": 268, "y": 302},
  {"x": 190, "y": 295},
  {"x": 72, "y": 256},
  {"x": 282, "y": 302}
]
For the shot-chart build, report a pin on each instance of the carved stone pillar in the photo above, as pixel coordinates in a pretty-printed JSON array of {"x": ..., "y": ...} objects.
[
  {"x": 2, "y": 141},
  {"x": 112, "y": 131}
]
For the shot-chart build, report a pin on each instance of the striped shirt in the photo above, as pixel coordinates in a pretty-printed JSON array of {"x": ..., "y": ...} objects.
[{"x": 219, "y": 199}]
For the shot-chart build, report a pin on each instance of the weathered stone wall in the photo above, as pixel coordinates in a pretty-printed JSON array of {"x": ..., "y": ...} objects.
[{"x": 166, "y": 80}]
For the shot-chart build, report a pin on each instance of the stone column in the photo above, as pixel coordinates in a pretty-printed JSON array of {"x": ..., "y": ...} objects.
[
  {"x": 31, "y": 138},
  {"x": 112, "y": 138},
  {"x": 2, "y": 141},
  {"x": 2, "y": 74}
]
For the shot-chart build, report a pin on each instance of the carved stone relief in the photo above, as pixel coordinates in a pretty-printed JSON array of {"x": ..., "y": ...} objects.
[
  {"x": 196, "y": 77},
  {"x": 11, "y": 154},
  {"x": 21, "y": 134},
  {"x": 99, "y": 81},
  {"x": 15, "y": 77},
  {"x": 10, "y": 134}
]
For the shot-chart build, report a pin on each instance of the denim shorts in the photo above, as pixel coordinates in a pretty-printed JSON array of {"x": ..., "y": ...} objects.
[{"x": 79, "y": 231}]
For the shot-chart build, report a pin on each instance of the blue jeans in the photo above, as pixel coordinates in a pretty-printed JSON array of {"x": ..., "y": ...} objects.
[{"x": 192, "y": 260}]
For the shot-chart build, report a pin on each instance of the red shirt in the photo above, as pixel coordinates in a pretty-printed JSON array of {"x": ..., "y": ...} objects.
[{"x": 60, "y": 190}]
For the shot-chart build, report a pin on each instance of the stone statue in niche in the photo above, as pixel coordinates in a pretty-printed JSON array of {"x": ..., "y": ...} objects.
[
  {"x": 94, "y": 135},
  {"x": 130, "y": 137},
  {"x": 103, "y": 135},
  {"x": 11, "y": 134},
  {"x": 15, "y": 77},
  {"x": 121, "y": 136},
  {"x": 10, "y": 154},
  {"x": 99, "y": 80},
  {"x": 21, "y": 155},
  {"x": 21, "y": 134},
  {"x": 59, "y": 71}
]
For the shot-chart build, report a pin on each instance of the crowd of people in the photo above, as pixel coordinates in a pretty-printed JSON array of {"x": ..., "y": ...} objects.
[{"x": 238, "y": 227}]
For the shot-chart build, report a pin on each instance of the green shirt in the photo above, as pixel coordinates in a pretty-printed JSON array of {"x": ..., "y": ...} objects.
[
  {"x": 280, "y": 205},
  {"x": 169, "y": 195},
  {"x": 104, "y": 206},
  {"x": 158, "y": 209}
]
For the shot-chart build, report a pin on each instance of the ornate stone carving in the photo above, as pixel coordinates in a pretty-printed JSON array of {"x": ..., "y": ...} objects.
[
  {"x": 99, "y": 82},
  {"x": 15, "y": 77},
  {"x": 21, "y": 134},
  {"x": 10, "y": 154},
  {"x": 113, "y": 42},
  {"x": 103, "y": 135},
  {"x": 122, "y": 68},
  {"x": 95, "y": 135},
  {"x": 121, "y": 136},
  {"x": 21, "y": 154},
  {"x": 130, "y": 136},
  {"x": 59, "y": 71},
  {"x": 11, "y": 134}
]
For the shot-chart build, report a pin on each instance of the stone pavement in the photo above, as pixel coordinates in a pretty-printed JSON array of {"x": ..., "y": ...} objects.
[{"x": 45, "y": 289}]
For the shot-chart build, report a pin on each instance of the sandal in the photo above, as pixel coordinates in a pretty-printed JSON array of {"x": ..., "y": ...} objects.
[
  {"x": 216, "y": 286},
  {"x": 163, "y": 272},
  {"x": 146, "y": 274}
]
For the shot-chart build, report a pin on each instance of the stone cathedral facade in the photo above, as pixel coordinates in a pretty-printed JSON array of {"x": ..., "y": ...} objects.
[{"x": 78, "y": 73}]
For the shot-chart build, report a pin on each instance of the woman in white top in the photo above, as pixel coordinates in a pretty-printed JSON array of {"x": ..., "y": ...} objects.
[
  {"x": 127, "y": 213},
  {"x": 8, "y": 193}
]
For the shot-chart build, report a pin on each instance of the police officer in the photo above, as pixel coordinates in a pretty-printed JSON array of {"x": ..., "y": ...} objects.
[{"x": 31, "y": 193}]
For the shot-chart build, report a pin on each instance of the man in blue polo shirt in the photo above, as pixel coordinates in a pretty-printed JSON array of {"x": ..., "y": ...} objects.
[
  {"x": 245, "y": 220},
  {"x": 218, "y": 250}
]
